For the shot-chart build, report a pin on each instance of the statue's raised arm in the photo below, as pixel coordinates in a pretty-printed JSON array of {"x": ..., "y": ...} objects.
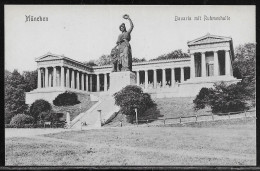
[{"x": 130, "y": 21}]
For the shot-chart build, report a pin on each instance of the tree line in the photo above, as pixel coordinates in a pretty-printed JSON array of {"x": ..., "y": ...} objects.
[{"x": 106, "y": 59}]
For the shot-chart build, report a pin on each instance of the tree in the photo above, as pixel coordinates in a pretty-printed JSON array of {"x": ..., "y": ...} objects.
[
  {"x": 90, "y": 63},
  {"x": 104, "y": 60},
  {"x": 131, "y": 97},
  {"x": 244, "y": 67},
  {"x": 223, "y": 98},
  {"x": 172, "y": 55},
  {"x": 14, "y": 94},
  {"x": 38, "y": 107},
  {"x": 30, "y": 78},
  {"x": 7, "y": 73},
  {"x": 138, "y": 60}
]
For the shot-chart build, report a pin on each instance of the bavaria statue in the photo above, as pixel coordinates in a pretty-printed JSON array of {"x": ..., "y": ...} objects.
[{"x": 121, "y": 54}]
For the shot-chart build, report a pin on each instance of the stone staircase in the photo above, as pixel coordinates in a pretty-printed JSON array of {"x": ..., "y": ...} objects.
[{"x": 91, "y": 118}]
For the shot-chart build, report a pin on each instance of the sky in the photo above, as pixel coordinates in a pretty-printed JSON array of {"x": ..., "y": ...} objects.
[{"x": 85, "y": 32}]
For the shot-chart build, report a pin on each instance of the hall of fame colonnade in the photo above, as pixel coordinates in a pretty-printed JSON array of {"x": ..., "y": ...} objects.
[{"x": 209, "y": 61}]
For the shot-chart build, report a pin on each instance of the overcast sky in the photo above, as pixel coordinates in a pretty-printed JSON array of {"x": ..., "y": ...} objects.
[{"x": 85, "y": 32}]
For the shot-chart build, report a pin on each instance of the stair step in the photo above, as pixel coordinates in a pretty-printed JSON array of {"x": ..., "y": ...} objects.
[{"x": 92, "y": 118}]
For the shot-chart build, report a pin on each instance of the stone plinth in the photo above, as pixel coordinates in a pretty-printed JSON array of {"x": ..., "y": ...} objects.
[{"x": 119, "y": 80}]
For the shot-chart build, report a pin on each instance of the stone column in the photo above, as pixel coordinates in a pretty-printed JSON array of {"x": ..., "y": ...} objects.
[
  {"x": 98, "y": 85},
  {"x": 90, "y": 83},
  {"x": 77, "y": 78},
  {"x": 49, "y": 77},
  {"x": 227, "y": 63},
  {"x": 54, "y": 76},
  {"x": 154, "y": 78},
  {"x": 146, "y": 79},
  {"x": 216, "y": 66},
  {"x": 82, "y": 81},
  {"x": 182, "y": 74},
  {"x": 192, "y": 65},
  {"x": 137, "y": 78},
  {"x": 68, "y": 77},
  {"x": 72, "y": 79},
  {"x": 105, "y": 82},
  {"x": 39, "y": 78},
  {"x": 173, "y": 78},
  {"x": 163, "y": 77},
  {"x": 62, "y": 76},
  {"x": 46, "y": 77},
  {"x": 203, "y": 64},
  {"x": 86, "y": 82}
]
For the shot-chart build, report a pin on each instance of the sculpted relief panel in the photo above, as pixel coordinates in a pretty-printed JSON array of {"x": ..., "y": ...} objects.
[
  {"x": 208, "y": 46},
  {"x": 48, "y": 58},
  {"x": 49, "y": 63},
  {"x": 210, "y": 40}
]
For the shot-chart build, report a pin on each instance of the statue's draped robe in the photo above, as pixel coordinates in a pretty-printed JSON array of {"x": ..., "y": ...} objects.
[{"x": 124, "y": 48}]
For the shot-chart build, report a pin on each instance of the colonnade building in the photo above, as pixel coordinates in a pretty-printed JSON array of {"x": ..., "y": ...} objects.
[{"x": 209, "y": 61}]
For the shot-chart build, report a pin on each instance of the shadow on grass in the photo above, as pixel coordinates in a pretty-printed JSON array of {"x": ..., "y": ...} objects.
[{"x": 150, "y": 115}]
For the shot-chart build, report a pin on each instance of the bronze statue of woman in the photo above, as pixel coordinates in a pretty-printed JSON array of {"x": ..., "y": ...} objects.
[{"x": 123, "y": 45}]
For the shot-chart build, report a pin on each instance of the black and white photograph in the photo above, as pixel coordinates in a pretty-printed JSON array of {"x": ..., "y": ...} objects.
[{"x": 130, "y": 85}]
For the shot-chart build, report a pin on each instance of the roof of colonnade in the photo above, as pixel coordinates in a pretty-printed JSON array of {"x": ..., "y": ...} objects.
[{"x": 155, "y": 64}]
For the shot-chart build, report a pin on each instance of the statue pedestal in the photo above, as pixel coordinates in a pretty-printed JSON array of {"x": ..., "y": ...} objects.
[{"x": 119, "y": 80}]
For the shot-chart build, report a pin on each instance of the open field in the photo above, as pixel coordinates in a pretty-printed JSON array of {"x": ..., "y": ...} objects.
[{"x": 224, "y": 143}]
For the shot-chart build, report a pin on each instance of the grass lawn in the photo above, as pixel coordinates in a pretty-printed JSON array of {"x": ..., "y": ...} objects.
[
  {"x": 225, "y": 143},
  {"x": 166, "y": 108},
  {"x": 178, "y": 106},
  {"x": 75, "y": 110}
]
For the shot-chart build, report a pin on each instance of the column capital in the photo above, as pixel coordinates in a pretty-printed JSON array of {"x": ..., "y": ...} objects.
[
  {"x": 215, "y": 51},
  {"x": 226, "y": 50},
  {"x": 203, "y": 53}
]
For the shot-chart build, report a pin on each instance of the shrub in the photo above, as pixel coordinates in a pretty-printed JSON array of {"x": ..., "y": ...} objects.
[
  {"x": 38, "y": 107},
  {"x": 8, "y": 117},
  {"x": 202, "y": 98},
  {"x": 21, "y": 119},
  {"x": 132, "y": 97},
  {"x": 223, "y": 98},
  {"x": 66, "y": 99},
  {"x": 51, "y": 117}
]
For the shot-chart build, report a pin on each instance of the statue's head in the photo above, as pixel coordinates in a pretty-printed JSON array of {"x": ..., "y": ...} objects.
[{"x": 122, "y": 27}]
